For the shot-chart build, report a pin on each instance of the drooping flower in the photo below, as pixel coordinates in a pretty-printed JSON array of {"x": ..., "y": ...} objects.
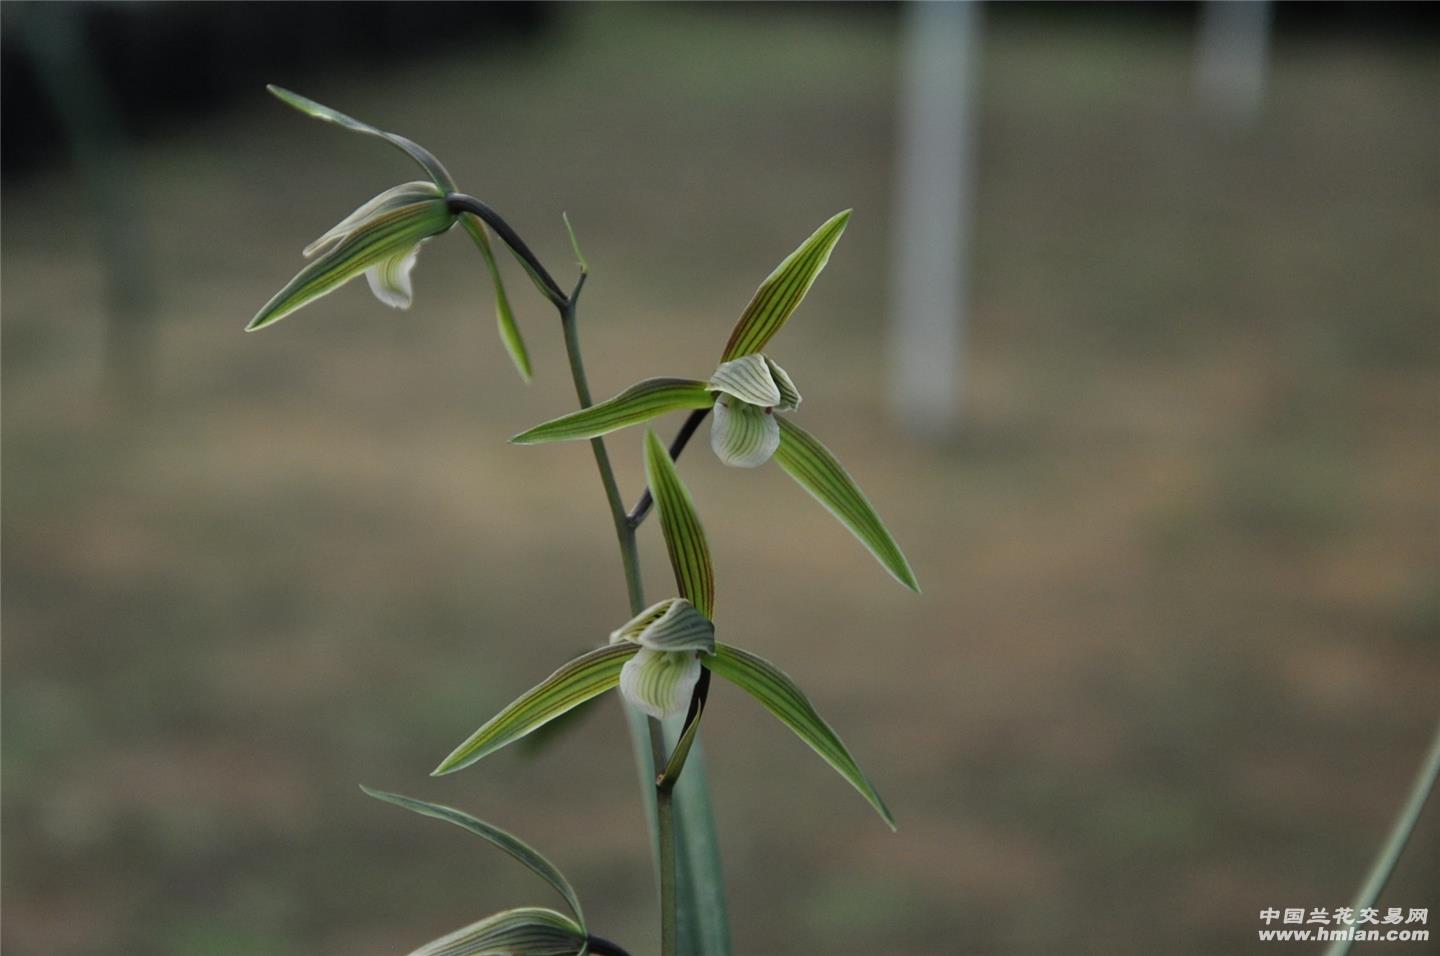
[
  {"x": 381, "y": 239},
  {"x": 747, "y": 394}
]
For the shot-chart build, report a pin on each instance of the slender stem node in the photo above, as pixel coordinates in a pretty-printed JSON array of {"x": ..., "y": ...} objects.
[{"x": 461, "y": 203}]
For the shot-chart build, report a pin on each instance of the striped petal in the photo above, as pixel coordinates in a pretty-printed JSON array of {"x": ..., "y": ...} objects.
[
  {"x": 747, "y": 378},
  {"x": 432, "y": 166},
  {"x": 587, "y": 676},
  {"x": 742, "y": 434},
  {"x": 523, "y": 931},
  {"x": 816, "y": 470},
  {"x": 789, "y": 394},
  {"x": 638, "y": 403},
  {"x": 392, "y": 198},
  {"x": 671, "y": 625},
  {"x": 390, "y": 280},
  {"x": 781, "y": 293},
  {"x": 660, "y": 682},
  {"x": 380, "y": 238},
  {"x": 680, "y": 523}
]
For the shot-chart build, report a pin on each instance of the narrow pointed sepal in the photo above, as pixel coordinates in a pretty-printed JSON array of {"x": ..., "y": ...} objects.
[
  {"x": 504, "y": 316},
  {"x": 587, "y": 676},
  {"x": 426, "y": 159},
  {"x": 816, "y": 470},
  {"x": 660, "y": 682},
  {"x": 671, "y": 625},
  {"x": 780, "y": 695},
  {"x": 680, "y": 523},
  {"x": 523, "y": 931},
  {"x": 531, "y": 858},
  {"x": 638, "y": 403},
  {"x": 781, "y": 293},
  {"x": 386, "y": 241},
  {"x": 743, "y": 435}
]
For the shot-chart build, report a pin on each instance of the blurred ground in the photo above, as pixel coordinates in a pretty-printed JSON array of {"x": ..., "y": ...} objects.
[{"x": 1176, "y": 658}]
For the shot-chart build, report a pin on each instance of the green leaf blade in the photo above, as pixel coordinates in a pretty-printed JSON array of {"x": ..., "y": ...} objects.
[
  {"x": 587, "y": 676},
  {"x": 511, "y": 844},
  {"x": 816, "y": 470},
  {"x": 780, "y": 695},
  {"x": 523, "y": 931},
  {"x": 684, "y": 535},
  {"x": 781, "y": 293},
  {"x": 638, "y": 403},
  {"x": 432, "y": 166}
]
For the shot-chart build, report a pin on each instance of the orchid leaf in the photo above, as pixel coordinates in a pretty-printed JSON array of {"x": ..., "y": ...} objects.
[
  {"x": 508, "y": 842},
  {"x": 816, "y": 470},
  {"x": 504, "y": 318},
  {"x": 524, "y": 931},
  {"x": 638, "y": 403},
  {"x": 432, "y": 166},
  {"x": 684, "y": 536},
  {"x": 779, "y": 695},
  {"x": 587, "y": 676},
  {"x": 780, "y": 294}
]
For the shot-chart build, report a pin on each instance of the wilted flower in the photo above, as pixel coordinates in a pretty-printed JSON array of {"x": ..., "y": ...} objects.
[{"x": 380, "y": 239}]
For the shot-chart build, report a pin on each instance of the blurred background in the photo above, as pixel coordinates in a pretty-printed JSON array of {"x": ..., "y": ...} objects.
[{"x": 1169, "y": 274}]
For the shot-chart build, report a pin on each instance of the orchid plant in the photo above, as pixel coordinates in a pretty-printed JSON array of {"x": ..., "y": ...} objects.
[{"x": 663, "y": 658}]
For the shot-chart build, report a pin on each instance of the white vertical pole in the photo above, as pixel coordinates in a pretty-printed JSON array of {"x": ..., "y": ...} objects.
[
  {"x": 1231, "y": 58},
  {"x": 934, "y": 208}
]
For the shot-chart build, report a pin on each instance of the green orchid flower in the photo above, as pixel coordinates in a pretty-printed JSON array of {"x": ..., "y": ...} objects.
[
  {"x": 747, "y": 394},
  {"x": 661, "y": 658},
  {"x": 382, "y": 238}
]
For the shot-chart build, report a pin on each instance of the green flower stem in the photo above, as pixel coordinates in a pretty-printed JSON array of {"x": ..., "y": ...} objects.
[
  {"x": 663, "y": 800},
  {"x": 1399, "y": 835},
  {"x": 688, "y": 835},
  {"x": 461, "y": 203},
  {"x": 682, "y": 438}
]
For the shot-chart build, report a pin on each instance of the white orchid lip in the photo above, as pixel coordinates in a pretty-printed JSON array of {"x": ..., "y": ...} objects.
[
  {"x": 660, "y": 678},
  {"x": 660, "y": 682},
  {"x": 744, "y": 433}
]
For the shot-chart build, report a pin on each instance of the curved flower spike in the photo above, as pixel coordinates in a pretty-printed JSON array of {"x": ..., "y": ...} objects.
[
  {"x": 380, "y": 239},
  {"x": 745, "y": 393}
]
